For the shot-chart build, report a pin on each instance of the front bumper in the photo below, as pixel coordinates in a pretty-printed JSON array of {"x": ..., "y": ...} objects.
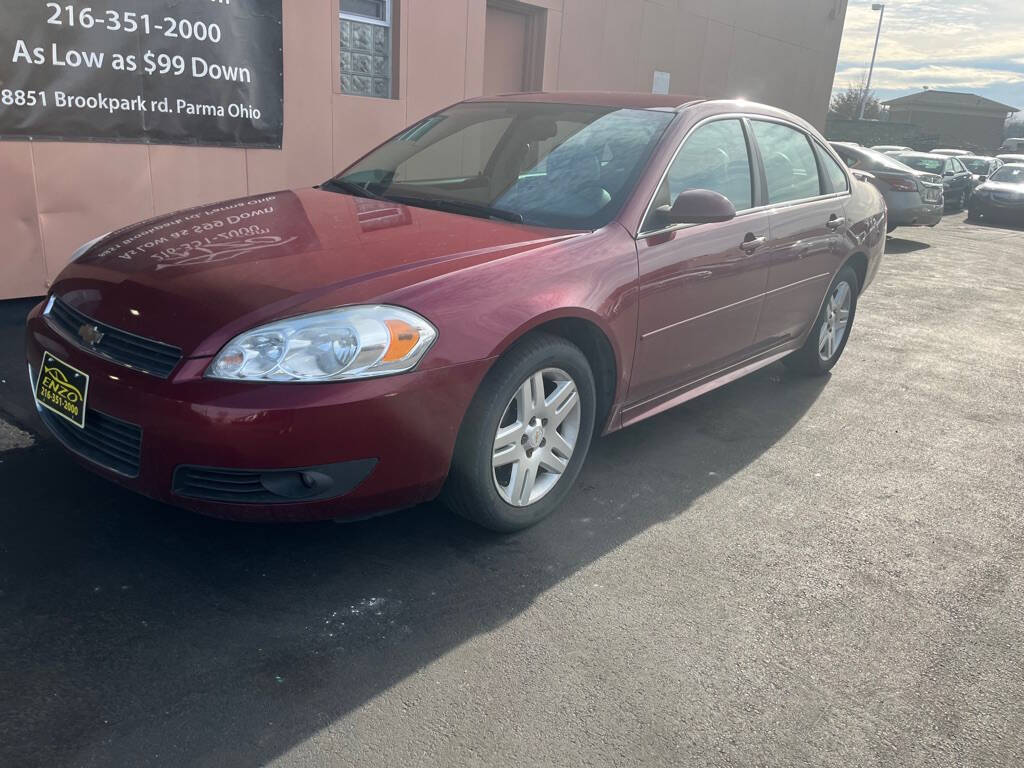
[{"x": 402, "y": 429}]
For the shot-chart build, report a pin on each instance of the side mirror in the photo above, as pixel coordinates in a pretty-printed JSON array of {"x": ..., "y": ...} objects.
[
  {"x": 982, "y": 178},
  {"x": 698, "y": 206},
  {"x": 948, "y": 173}
]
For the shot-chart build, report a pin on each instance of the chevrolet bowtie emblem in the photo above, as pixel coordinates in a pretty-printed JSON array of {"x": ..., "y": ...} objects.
[{"x": 90, "y": 334}]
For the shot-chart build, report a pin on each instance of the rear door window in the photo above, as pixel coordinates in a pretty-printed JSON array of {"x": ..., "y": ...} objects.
[
  {"x": 835, "y": 174},
  {"x": 789, "y": 164}
]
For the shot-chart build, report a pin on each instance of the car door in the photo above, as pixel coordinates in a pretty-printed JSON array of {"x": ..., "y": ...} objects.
[
  {"x": 701, "y": 286},
  {"x": 808, "y": 220},
  {"x": 956, "y": 183},
  {"x": 963, "y": 175}
]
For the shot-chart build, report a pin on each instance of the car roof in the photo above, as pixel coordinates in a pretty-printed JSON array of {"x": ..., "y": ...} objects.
[
  {"x": 978, "y": 157},
  {"x": 925, "y": 154},
  {"x": 622, "y": 100}
]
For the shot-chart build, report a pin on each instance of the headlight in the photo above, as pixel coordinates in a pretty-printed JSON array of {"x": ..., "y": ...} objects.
[
  {"x": 345, "y": 343},
  {"x": 84, "y": 248}
]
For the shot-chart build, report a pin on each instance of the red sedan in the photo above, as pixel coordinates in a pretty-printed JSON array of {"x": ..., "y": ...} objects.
[{"x": 457, "y": 313}]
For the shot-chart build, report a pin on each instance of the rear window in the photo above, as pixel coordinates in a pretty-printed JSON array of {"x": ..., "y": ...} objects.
[
  {"x": 927, "y": 164},
  {"x": 870, "y": 160}
]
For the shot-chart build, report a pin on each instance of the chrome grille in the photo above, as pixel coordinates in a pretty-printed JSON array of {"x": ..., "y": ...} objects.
[{"x": 118, "y": 346}]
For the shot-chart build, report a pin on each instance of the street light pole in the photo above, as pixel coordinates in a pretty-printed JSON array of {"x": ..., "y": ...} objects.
[{"x": 871, "y": 71}]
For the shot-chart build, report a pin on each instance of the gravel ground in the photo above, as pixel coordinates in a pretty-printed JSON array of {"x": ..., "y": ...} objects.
[{"x": 787, "y": 572}]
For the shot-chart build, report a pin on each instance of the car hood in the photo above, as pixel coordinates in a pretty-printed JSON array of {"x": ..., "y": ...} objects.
[
  {"x": 996, "y": 186},
  {"x": 197, "y": 277}
]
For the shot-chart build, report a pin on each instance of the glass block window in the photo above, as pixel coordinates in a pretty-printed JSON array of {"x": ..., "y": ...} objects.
[{"x": 366, "y": 39}]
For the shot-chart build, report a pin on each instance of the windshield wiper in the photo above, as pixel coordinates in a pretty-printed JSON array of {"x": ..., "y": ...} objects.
[
  {"x": 452, "y": 206},
  {"x": 457, "y": 206},
  {"x": 351, "y": 188}
]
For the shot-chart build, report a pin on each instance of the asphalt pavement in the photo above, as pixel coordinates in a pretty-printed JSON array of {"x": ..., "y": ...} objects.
[{"x": 786, "y": 572}]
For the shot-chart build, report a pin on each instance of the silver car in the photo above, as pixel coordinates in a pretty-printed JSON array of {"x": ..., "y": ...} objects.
[
  {"x": 888, "y": 149},
  {"x": 915, "y": 198}
]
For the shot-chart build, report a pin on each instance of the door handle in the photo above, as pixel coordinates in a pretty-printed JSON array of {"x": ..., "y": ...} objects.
[
  {"x": 836, "y": 222},
  {"x": 751, "y": 243}
]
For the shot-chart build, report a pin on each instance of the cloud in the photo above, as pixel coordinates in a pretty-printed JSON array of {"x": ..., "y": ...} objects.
[
  {"x": 950, "y": 44},
  {"x": 942, "y": 76}
]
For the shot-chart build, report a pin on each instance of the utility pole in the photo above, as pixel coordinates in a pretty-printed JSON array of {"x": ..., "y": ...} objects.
[{"x": 871, "y": 71}]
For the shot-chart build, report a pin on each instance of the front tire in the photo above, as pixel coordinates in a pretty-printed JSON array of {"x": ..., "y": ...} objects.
[
  {"x": 831, "y": 330},
  {"x": 525, "y": 436}
]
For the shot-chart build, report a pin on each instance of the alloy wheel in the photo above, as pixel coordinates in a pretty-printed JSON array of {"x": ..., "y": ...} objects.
[
  {"x": 536, "y": 437},
  {"x": 837, "y": 318}
]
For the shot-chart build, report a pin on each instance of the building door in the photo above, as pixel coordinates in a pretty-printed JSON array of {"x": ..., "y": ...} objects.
[{"x": 510, "y": 46}]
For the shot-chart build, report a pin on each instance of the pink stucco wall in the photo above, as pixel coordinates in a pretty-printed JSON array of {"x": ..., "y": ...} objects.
[{"x": 54, "y": 196}]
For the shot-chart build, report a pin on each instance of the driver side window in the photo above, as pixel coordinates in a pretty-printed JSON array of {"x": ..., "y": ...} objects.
[{"x": 715, "y": 157}]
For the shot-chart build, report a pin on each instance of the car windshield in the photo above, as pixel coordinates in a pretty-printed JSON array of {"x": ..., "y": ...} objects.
[
  {"x": 554, "y": 165},
  {"x": 1009, "y": 174},
  {"x": 927, "y": 164},
  {"x": 976, "y": 165}
]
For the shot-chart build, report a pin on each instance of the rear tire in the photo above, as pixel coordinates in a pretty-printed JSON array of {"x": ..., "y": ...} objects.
[
  {"x": 518, "y": 454},
  {"x": 831, "y": 330}
]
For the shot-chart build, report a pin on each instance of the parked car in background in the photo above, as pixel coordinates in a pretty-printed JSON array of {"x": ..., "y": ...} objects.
[
  {"x": 914, "y": 198},
  {"x": 891, "y": 148},
  {"x": 1007, "y": 159},
  {"x": 1012, "y": 146},
  {"x": 436, "y": 321},
  {"x": 981, "y": 167},
  {"x": 951, "y": 152},
  {"x": 956, "y": 179},
  {"x": 1001, "y": 198}
]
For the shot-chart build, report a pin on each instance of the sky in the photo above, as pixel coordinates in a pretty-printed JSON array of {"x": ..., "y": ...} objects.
[{"x": 973, "y": 46}]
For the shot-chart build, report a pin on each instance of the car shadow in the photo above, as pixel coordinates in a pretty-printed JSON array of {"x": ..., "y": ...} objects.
[
  {"x": 990, "y": 224},
  {"x": 897, "y": 245},
  {"x": 137, "y": 634}
]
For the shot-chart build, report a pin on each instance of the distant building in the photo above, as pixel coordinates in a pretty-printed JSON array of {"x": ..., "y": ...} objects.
[{"x": 960, "y": 120}]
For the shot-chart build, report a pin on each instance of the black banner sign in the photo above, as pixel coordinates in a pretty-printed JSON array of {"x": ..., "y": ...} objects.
[{"x": 202, "y": 72}]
